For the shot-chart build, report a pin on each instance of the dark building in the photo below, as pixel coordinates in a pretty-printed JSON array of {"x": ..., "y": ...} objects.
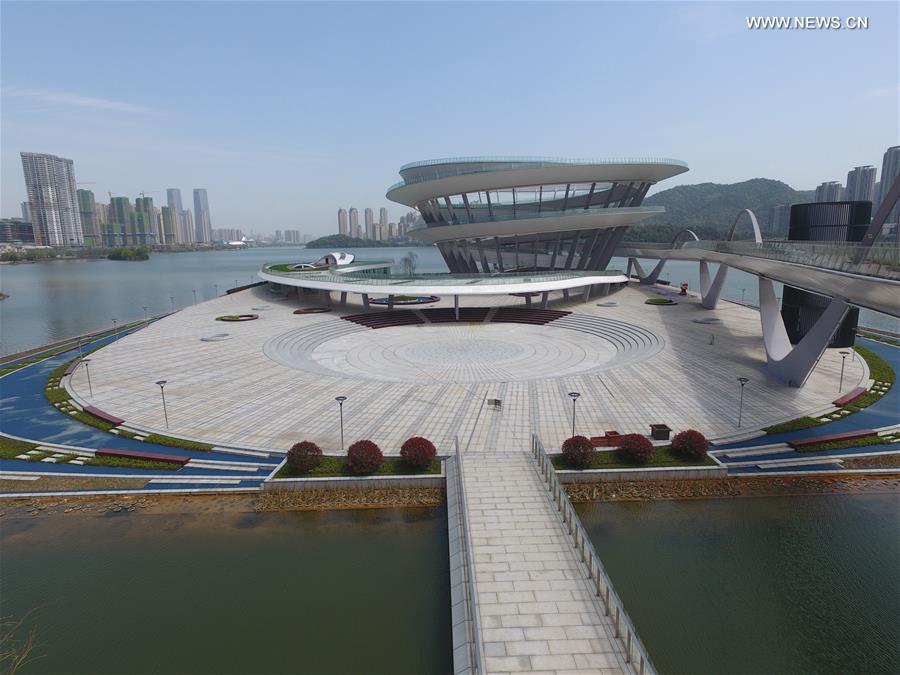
[
  {"x": 16, "y": 231},
  {"x": 825, "y": 222}
]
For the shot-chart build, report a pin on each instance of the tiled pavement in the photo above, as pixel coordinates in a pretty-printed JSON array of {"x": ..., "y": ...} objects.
[
  {"x": 232, "y": 393},
  {"x": 537, "y": 608}
]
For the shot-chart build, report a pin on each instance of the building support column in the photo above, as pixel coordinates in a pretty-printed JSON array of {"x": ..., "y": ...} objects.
[
  {"x": 365, "y": 299},
  {"x": 644, "y": 278},
  {"x": 528, "y": 300},
  {"x": 545, "y": 299},
  {"x": 325, "y": 297},
  {"x": 566, "y": 294},
  {"x": 587, "y": 293},
  {"x": 343, "y": 298},
  {"x": 788, "y": 364},
  {"x": 456, "y": 306},
  {"x": 390, "y": 301},
  {"x": 710, "y": 292}
]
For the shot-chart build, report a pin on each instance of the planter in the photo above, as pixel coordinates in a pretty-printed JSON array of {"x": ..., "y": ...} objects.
[
  {"x": 660, "y": 432},
  {"x": 312, "y": 310},
  {"x": 608, "y": 440},
  {"x": 406, "y": 300},
  {"x": 237, "y": 317}
]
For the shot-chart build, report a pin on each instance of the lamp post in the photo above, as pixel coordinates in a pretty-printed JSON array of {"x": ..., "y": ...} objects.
[
  {"x": 574, "y": 395},
  {"x": 743, "y": 290},
  {"x": 115, "y": 329},
  {"x": 340, "y": 400},
  {"x": 844, "y": 353},
  {"x": 162, "y": 391},
  {"x": 235, "y": 283},
  {"x": 146, "y": 317},
  {"x": 87, "y": 370},
  {"x": 80, "y": 351},
  {"x": 743, "y": 381},
  {"x": 172, "y": 300},
  {"x": 195, "y": 295},
  {"x": 216, "y": 286}
]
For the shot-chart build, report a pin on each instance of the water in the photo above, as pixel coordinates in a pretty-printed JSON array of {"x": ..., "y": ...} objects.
[
  {"x": 55, "y": 300},
  {"x": 323, "y": 592},
  {"x": 758, "y": 585}
]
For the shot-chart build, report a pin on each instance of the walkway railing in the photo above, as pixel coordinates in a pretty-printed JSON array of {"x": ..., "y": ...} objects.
[
  {"x": 474, "y": 627},
  {"x": 635, "y": 653}
]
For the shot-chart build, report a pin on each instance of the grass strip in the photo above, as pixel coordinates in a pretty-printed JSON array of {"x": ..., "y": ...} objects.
[
  {"x": 332, "y": 467},
  {"x": 132, "y": 463},
  {"x": 872, "y": 439},
  {"x": 10, "y": 447},
  {"x": 662, "y": 457},
  {"x": 172, "y": 442}
]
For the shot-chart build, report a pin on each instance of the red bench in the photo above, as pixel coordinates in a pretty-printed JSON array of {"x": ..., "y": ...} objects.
[
  {"x": 140, "y": 454},
  {"x": 850, "y": 396},
  {"x": 608, "y": 440},
  {"x": 96, "y": 412},
  {"x": 828, "y": 438},
  {"x": 72, "y": 366}
]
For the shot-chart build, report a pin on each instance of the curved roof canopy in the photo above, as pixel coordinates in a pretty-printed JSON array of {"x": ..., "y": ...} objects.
[{"x": 439, "y": 177}]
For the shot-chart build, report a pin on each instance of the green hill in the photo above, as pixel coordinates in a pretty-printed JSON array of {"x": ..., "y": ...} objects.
[{"x": 710, "y": 208}]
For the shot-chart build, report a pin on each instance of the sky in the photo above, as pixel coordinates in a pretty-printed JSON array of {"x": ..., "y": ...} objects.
[{"x": 286, "y": 111}]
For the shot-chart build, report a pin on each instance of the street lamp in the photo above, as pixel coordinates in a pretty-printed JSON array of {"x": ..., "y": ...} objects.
[
  {"x": 146, "y": 317},
  {"x": 162, "y": 391},
  {"x": 574, "y": 395},
  {"x": 195, "y": 295},
  {"x": 172, "y": 300},
  {"x": 743, "y": 381},
  {"x": 216, "y": 286},
  {"x": 844, "y": 353},
  {"x": 80, "y": 351},
  {"x": 87, "y": 370},
  {"x": 115, "y": 329},
  {"x": 743, "y": 290},
  {"x": 340, "y": 400}
]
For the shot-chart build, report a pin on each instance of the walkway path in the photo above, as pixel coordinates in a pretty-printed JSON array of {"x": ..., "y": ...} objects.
[{"x": 537, "y": 609}]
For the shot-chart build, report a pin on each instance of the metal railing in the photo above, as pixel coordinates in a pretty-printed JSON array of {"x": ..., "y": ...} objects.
[
  {"x": 635, "y": 652},
  {"x": 477, "y": 656}
]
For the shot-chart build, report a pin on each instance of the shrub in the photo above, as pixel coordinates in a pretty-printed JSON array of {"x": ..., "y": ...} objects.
[
  {"x": 304, "y": 456},
  {"x": 418, "y": 452},
  {"x": 578, "y": 452},
  {"x": 635, "y": 448},
  {"x": 690, "y": 444},
  {"x": 364, "y": 457}
]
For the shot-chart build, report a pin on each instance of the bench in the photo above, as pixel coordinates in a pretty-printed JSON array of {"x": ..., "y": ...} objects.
[
  {"x": 829, "y": 438},
  {"x": 608, "y": 440},
  {"x": 72, "y": 366},
  {"x": 849, "y": 397},
  {"x": 96, "y": 412},
  {"x": 140, "y": 454}
]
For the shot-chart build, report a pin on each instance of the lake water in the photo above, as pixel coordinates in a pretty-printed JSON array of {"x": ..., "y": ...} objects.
[
  {"x": 318, "y": 592},
  {"x": 55, "y": 300},
  {"x": 758, "y": 585}
]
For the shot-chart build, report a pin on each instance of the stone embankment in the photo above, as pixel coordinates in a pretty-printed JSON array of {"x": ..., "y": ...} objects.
[{"x": 348, "y": 498}]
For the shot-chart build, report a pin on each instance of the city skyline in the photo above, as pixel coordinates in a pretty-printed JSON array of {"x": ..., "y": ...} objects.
[{"x": 307, "y": 157}]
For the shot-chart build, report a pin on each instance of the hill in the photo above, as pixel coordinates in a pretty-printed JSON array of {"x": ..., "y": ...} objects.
[{"x": 710, "y": 208}]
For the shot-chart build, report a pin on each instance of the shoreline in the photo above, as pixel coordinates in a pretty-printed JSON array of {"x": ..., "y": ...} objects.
[{"x": 343, "y": 499}]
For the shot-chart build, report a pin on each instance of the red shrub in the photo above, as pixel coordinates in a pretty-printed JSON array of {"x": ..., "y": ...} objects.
[
  {"x": 578, "y": 452},
  {"x": 363, "y": 458},
  {"x": 304, "y": 456},
  {"x": 690, "y": 444},
  {"x": 635, "y": 448},
  {"x": 418, "y": 452}
]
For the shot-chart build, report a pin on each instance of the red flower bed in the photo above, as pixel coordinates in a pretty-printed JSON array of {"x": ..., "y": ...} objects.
[
  {"x": 578, "y": 452},
  {"x": 635, "y": 448},
  {"x": 418, "y": 452},
  {"x": 363, "y": 458},
  {"x": 304, "y": 456},
  {"x": 690, "y": 444}
]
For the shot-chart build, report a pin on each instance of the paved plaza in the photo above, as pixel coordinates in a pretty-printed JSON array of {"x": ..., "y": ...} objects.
[{"x": 271, "y": 382}]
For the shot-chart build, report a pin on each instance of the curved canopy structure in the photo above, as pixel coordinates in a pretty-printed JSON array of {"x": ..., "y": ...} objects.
[{"x": 489, "y": 214}]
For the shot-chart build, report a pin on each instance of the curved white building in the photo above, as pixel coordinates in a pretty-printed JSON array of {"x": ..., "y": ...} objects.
[{"x": 503, "y": 214}]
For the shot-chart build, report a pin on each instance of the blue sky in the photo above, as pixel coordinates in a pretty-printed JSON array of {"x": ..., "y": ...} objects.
[{"x": 287, "y": 111}]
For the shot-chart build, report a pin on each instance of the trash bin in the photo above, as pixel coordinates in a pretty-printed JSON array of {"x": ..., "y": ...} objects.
[{"x": 660, "y": 432}]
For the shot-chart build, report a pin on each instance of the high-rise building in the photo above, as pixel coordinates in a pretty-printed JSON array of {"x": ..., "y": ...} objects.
[
  {"x": 149, "y": 221},
  {"x": 50, "y": 183},
  {"x": 16, "y": 231},
  {"x": 120, "y": 210},
  {"x": 170, "y": 220},
  {"x": 342, "y": 222},
  {"x": 861, "y": 184},
  {"x": 370, "y": 222},
  {"x": 383, "y": 217},
  {"x": 354, "y": 223},
  {"x": 831, "y": 191},
  {"x": 90, "y": 223},
  {"x": 890, "y": 168},
  {"x": 279, "y": 236},
  {"x": 202, "y": 220},
  {"x": 173, "y": 200},
  {"x": 392, "y": 230},
  {"x": 26, "y": 212},
  {"x": 779, "y": 221},
  {"x": 187, "y": 227}
]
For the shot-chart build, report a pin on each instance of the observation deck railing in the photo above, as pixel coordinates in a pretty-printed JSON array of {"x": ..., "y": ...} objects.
[{"x": 635, "y": 653}]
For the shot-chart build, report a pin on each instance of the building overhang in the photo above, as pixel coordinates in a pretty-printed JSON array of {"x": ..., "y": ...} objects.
[{"x": 584, "y": 220}]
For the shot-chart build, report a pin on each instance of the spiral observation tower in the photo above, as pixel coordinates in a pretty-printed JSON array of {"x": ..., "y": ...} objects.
[{"x": 516, "y": 214}]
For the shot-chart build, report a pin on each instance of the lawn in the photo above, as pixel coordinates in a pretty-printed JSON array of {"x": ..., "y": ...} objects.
[
  {"x": 872, "y": 439},
  {"x": 661, "y": 457},
  {"x": 332, "y": 467}
]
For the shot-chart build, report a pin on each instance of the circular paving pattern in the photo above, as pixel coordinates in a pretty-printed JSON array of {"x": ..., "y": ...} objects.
[{"x": 464, "y": 352}]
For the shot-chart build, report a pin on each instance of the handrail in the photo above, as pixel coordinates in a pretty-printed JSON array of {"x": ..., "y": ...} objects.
[
  {"x": 635, "y": 653},
  {"x": 477, "y": 657}
]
